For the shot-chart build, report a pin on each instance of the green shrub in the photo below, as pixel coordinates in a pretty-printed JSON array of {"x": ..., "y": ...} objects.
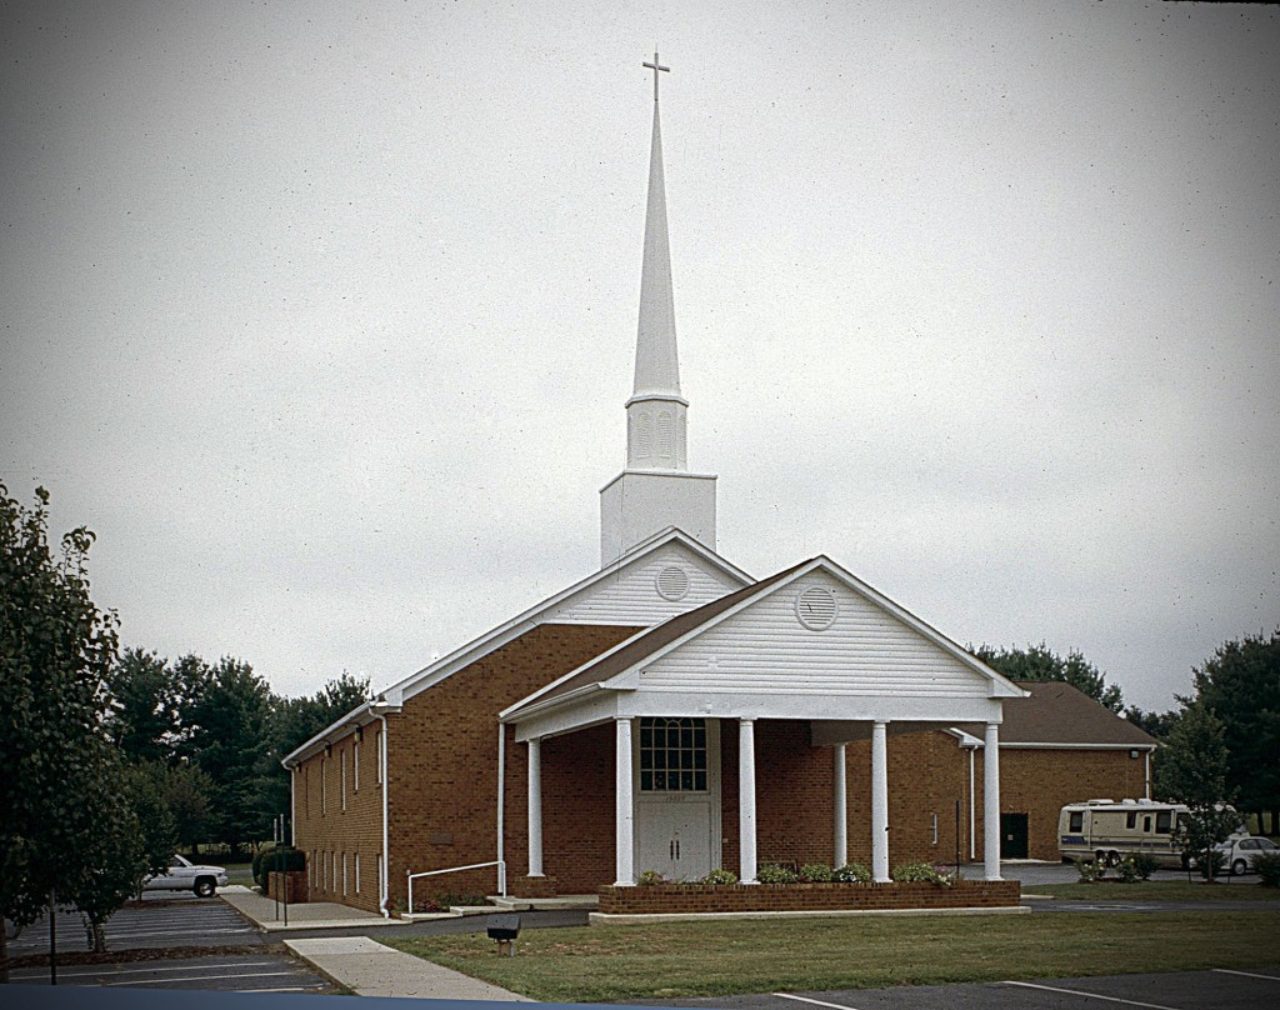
[
  {"x": 771, "y": 873},
  {"x": 720, "y": 877},
  {"x": 852, "y": 873},
  {"x": 283, "y": 857},
  {"x": 1090, "y": 870},
  {"x": 1127, "y": 870},
  {"x": 815, "y": 873},
  {"x": 1267, "y": 865},
  {"x": 1144, "y": 864},
  {"x": 650, "y": 877},
  {"x": 921, "y": 873}
]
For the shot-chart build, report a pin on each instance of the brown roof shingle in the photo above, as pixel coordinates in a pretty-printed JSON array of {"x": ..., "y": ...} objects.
[{"x": 1058, "y": 713}]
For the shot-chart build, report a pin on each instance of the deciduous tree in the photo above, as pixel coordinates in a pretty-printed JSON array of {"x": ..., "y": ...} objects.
[{"x": 1039, "y": 662}]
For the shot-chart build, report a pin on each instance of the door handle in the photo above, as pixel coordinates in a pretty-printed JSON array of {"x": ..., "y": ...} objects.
[
  {"x": 671, "y": 850},
  {"x": 677, "y": 848}
]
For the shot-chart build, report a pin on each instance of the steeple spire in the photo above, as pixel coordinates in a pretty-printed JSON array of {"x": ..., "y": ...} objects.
[{"x": 656, "y": 490}]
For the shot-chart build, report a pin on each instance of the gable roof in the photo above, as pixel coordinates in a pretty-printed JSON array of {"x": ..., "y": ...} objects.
[
  {"x": 644, "y": 644},
  {"x": 1056, "y": 713},
  {"x": 653, "y": 642},
  {"x": 477, "y": 648}
]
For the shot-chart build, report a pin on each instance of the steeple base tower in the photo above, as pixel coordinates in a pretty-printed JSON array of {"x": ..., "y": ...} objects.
[{"x": 639, "y": 503}]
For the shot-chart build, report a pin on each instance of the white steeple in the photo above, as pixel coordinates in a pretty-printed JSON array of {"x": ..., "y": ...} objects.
[{"x": 656, "y": 490}]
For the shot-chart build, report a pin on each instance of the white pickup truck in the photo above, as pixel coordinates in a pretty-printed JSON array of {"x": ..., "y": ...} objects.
[{"x": 183, "y": 875}]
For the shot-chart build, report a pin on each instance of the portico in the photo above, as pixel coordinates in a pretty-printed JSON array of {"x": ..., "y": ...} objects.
[{"x": 688, "y": 700}]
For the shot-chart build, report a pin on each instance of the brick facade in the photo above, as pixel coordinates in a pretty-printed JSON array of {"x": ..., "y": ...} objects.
[{"x": 442, "y": 760}]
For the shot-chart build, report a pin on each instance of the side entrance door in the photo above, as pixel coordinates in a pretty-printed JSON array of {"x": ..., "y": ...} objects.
[
  {"x": 677, "y": 766},
  {"x": 1013, "y": 836}
]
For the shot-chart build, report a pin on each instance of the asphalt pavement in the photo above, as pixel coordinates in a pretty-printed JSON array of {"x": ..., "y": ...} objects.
[
  {"x": 1192, "y": 990},
  {"x": 265, "y": 972},
  {"x": 183, "y": 921}
]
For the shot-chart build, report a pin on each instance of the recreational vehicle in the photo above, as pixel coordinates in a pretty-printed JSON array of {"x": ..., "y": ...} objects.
[{"x": 1108, "y": 831}]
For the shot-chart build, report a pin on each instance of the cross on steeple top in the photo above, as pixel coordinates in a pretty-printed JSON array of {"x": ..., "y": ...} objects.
[{"x": 655, "y": 66}]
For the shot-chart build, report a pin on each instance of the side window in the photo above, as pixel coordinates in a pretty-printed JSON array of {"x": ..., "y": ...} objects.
[
  {"x": 1164, "y": 821},
  {"x": 1146, "y": 824},
  {"x": 1131, "y": 820},
  {"x": 1077, "y": 821}
]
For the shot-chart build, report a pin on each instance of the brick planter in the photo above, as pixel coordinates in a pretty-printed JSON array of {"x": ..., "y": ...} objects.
[
  {"x": 674, "y": 898},
  {"x": 295, "y": 885}
]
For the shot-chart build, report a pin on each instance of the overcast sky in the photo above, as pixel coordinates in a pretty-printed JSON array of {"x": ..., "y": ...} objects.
[{"x": 322, "y": 315}]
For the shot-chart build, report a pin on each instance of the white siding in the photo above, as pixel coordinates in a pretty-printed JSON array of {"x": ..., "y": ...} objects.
[
  {"x": 764, "y": 648},
  {"x": 630, "y": 596}
]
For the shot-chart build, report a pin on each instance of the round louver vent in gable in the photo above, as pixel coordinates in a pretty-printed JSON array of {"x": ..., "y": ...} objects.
[
  {"x": 673, "y": 583},
  {"x": 816, "y": 608}
]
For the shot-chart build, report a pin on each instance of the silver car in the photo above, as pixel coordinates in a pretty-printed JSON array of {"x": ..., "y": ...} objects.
[{"x": 183, "y": 875}]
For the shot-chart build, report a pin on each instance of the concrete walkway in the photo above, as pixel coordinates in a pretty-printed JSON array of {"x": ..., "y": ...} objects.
[
  {"x": 263, "y": 912},
  {"x": 369, "y": 968}
]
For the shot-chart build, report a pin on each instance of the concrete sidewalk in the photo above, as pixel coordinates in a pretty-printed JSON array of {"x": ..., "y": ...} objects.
[
  {"x": 262, "y": 912},
  {"x": 369, "y": 968}
]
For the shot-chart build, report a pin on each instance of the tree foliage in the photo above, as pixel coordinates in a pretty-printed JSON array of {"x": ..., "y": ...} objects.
[
  {"x": 1195, "y": 773},
  {"x": 1240, "y": 685},
  {"x": 57, "y": 650},
  {"x": 1039, "y": 662}
]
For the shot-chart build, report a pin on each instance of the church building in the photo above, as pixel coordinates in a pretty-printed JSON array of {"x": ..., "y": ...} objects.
[{"x": 670, "y": 713}]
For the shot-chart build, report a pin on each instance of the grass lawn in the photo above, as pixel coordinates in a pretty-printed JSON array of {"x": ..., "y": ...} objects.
[
  {"x": 239, "y": 873},
  {"x": 1161, "y": 890},
  {"x": 599, "y": 963}
]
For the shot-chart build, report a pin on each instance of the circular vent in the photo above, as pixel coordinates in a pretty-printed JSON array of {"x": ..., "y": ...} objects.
[
  {"x": 816, "y": 608},
  {"x": 673, "y": 583}
]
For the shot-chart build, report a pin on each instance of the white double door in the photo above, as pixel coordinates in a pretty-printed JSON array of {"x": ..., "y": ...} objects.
[{"x": 678, "y": 832}]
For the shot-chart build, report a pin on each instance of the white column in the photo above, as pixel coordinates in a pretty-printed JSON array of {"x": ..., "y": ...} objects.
[
  {"x": 747, "y": 801},
  {"x": 840, "y": 807},
  {"x": 624, "y": 816},
  {"x": 535, "y": 808},
  {"x": 973, "y": 810},
  {"x": 879, "y": 804},
  {"x": 991, "y": 802}
]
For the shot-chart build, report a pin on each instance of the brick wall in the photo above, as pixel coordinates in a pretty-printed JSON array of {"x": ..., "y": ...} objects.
[
  {"x": 806, "y": 897},
  {"x": 332, "y": 835},
  {"x": 443, "y": 757},
  {"x": 1040, "y": 782}
]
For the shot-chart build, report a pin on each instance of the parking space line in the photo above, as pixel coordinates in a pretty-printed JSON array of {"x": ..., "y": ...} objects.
[
  {"x": 1246, "y": 974},
  {"x": 815, "y": 1002},
  {"x": 202, "y": 978},
  {"x": 143, "y": 971},
  {"x": 285, "y": 988},
  {"x": 1091, "y": 995}
]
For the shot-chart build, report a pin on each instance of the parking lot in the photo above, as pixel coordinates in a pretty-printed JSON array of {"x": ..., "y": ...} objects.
[
  {"x": 265, "y": 972},
  {"x": 1197, "y": 990},
  {"x": 171, "y": 921}
]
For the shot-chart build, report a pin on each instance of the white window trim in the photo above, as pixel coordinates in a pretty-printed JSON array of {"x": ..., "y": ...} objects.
[
  {"x": 344, "y": 874},
  {"x": 355, "y": 767},
  {"x": 357, "y": 862},
  {"x": 324, "y": 788},
  {"x": 342, "y": 760}
]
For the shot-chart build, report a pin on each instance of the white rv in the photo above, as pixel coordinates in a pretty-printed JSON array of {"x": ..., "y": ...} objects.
[{"x": 1108, "y": 831}]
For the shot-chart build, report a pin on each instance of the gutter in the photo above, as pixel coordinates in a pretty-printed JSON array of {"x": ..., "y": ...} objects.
[{"x": 384, "y": 885}]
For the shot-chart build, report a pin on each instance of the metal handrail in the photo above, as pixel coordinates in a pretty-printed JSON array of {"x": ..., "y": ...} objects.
[{"x": 499, "y": 863}]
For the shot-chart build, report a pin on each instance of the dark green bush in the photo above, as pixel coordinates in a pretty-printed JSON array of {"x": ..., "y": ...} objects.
[
  {"x": 1267, "y": 866},
  {"x": 771, "y": 873},
  {"x": 284, "y": 857},
  {"x": 650, "y": 877},
  {"x": 1144, "y": 864},
  {"x": 815, "y": 873},
  {"x": 1090, "y": 870},
  {"x": 925, "y": 873},
  {"x": 720, "y": 877}
]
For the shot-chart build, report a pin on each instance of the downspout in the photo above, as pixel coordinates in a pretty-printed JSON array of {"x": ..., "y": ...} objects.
[
  {"x": 293, "y": 807},
  {"x": 502, "y": 788},
  {"x": 1146, "y": 777},
  {"x": 384, "y": 884}
]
